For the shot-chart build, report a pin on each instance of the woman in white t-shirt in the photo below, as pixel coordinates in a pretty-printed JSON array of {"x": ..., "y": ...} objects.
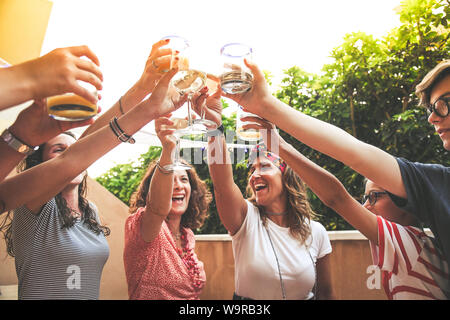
[{"x": 279, "y": 251}]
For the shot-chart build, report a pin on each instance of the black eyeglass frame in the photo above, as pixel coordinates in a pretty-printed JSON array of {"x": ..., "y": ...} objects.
[
  {"x": 432, "y": 107},
  {"x": 372, "y": 197}
]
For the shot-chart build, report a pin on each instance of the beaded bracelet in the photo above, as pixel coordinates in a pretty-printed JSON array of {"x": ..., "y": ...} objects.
[{"x": 120, "y": 134}]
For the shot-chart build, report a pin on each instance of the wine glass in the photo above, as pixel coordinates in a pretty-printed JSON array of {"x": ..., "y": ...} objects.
[
  {"x": 179, "y": 125},
  {"x": 188, "y": 80}
]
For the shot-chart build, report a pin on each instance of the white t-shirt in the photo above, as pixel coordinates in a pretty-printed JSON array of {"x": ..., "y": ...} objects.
[{"x": 256, "y": 270}]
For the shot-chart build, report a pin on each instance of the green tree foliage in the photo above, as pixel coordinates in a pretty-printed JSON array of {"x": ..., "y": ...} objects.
[{"x": 368, "y": 90}]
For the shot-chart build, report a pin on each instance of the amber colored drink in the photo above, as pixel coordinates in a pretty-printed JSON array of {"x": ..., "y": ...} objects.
[{"x": 70, "y": 107}]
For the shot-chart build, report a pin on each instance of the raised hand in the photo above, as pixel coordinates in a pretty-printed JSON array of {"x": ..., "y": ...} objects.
[
  {"x": 34, "y": 126},
  {"x": 57, "y": 72},
  {"x": 165, "y": 98},
  {"x": 269, "y": 132},
  {"x": 253, "y": 100},
  {"x": 210, "y": 104},
  {"x": 157, "y": 64},
  {"x": 165, "y": 133}
]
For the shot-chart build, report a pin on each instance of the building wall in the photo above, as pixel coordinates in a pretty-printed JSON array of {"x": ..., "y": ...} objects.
[{"x": 350, "y": 259}]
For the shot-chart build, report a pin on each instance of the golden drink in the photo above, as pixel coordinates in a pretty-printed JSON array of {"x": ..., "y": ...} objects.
[{"x": 70, "y": 107}]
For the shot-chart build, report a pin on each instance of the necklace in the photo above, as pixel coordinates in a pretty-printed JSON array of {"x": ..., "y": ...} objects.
[
  {"x": 276, "y": 213},
  {"x": 187, "y": 256}
]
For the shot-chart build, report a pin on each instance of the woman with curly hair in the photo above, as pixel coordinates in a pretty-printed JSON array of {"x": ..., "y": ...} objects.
[
  {"x": 280, "y": 252},
  {"x": 159, "y": 256}
]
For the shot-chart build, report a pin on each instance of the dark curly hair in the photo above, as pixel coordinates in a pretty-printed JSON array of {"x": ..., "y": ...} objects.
[
  {"x": 299, "y": 211},
  {"x": 65, "y": 213},
  {"x": 199, "y": 201}
]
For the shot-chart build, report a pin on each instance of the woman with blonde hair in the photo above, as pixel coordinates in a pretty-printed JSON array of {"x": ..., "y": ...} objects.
[{"x": 280, "y": 252}]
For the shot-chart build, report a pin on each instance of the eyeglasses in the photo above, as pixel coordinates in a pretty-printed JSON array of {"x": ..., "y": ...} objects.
[
  {"x": 372, "y": 197},
  {"x": 440, "y": 107}
]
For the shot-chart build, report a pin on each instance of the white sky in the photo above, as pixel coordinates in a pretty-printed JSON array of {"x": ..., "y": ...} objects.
[{"x": 283, "y": 33}]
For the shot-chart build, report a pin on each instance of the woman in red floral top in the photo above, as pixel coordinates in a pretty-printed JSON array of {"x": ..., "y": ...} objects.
[{"x": 159, "y": 257}]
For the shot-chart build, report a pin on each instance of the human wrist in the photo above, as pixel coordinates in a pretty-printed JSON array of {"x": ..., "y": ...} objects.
[{"x": 20, "y": 132}]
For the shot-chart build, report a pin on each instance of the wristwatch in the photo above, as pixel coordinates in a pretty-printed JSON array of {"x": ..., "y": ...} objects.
[
  {"x": 16, "y": 144},
  {"x": 217, "y": 132}
]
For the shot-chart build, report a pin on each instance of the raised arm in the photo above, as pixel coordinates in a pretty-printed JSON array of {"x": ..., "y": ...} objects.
[
  {"x": 371, "y": 162},
  {"x": 159, "y": 198},
  {"x": 325, "y": 185},
  {"x": 230, "y": 202},
  {"x": 159, "y": 57},
  {"x": 54, "y": 73},
  {"x": 79, "y": 156}
]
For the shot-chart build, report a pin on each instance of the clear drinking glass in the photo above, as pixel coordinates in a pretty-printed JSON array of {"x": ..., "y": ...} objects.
[
  {"x": 246, "y": 134},
  {"x": 235, "y": 76},
  {"x": 179, "y": 125},
  {"x": 71, "y": 107}
]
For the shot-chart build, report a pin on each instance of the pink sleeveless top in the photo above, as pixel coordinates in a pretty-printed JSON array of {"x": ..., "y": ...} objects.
[{"x": 154, "y": 270}]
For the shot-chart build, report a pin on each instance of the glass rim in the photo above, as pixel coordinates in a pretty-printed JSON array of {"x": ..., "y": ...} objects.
[
  {"x": 174, "y": 36},
  {"x": 250, "y": 49}
]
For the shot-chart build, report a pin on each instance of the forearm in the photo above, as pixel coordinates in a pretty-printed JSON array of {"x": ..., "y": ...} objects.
[
  {"x": 124, "y": 104},
  {"x": 9, "y": 160},
  {"x": 62, "y": 169},
  {"x": 161, "y": 188},
  {"x": 15, "y": 87},
  {"x": 219, "y": 162},
  {"x": 330, "y": 191},
  {"x": 325, "y": 185},
  {"x": 338, "y": 144}
]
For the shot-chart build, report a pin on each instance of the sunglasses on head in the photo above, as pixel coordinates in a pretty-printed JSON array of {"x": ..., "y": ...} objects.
[{"x": 372, "y": 197}]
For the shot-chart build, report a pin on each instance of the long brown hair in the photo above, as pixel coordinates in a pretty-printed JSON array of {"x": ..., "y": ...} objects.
[
  {"x": 299, "y": 211},
  {"x": 65, "y": 213},
  {"x": 199, "y": 201}
]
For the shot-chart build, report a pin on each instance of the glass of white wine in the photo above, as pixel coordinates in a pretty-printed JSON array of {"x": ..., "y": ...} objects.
[
  {"x": 188, "y": 80},
  {"x": 235, "y": 76},
  {"x": 179, "y": 125}
]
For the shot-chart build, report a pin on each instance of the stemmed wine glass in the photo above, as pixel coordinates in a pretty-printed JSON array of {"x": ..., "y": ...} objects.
[
  {"x": 179, "y": 125},
  {"x": 188, "y": 80}
]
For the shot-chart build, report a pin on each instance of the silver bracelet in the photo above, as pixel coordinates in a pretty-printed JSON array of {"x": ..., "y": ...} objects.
[{"x": 162, "y": 170}]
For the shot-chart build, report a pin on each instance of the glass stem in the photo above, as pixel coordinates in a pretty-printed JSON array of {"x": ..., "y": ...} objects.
[
  {"x": 177, "y": 150},
  {"x": 189, "y": 110}
]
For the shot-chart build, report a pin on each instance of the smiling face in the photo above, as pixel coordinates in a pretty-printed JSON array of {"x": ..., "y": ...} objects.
[
  {"x": 441, "y": 125},
  {"x": 266, "y": 183},
  {"x": 55, "y": 147},
  {"x": 181, "y": 193}
]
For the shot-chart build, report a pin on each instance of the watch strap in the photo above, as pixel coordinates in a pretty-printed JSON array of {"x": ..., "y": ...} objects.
[{"x": 17, "y": 144}]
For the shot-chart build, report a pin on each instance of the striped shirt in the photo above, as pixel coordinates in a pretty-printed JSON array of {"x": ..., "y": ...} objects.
[
  {"x": 413, "y": 268},
  {"x": 55, "y": 263}
]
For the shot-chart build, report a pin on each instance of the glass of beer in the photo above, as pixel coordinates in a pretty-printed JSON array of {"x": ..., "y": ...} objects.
[
  {"x": 235, "y": 76},
  {"x": 71, "y": 107}
]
